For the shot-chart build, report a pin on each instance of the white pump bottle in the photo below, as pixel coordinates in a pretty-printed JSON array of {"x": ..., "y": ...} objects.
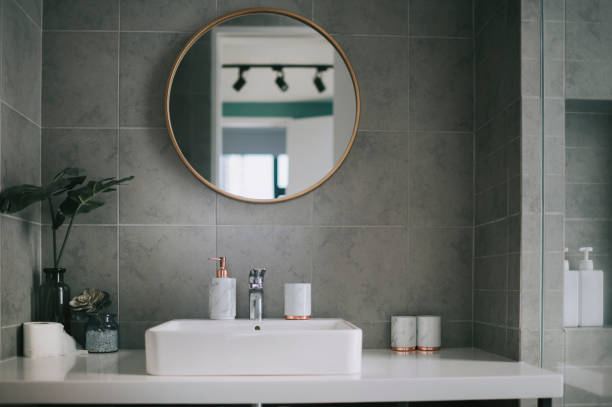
[
  {"x": 591, "y": 292},
  {"x": 571, "y": 295}
]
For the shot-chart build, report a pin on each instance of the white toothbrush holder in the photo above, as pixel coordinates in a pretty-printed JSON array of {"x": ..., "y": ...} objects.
[
  {"x": 403, "y": 333},
  {"x": 297, "y": 301},
  {"x": 429, "y": 332}
]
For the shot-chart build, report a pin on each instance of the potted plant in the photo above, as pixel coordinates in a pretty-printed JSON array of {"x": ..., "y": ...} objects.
[
  {"x": 77, "y": 197},
  {"x": 101, "y": 333}
]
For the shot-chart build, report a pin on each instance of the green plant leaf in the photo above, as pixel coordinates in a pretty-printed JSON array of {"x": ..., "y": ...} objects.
[
  {"x": 18, "y": 197},
  {"x": 83, "y": 199}
]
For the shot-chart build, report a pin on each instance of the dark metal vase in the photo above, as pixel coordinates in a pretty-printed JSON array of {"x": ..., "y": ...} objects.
[{"x": 54, "y": 298}]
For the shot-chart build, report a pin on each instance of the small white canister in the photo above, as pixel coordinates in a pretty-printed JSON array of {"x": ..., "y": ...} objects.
[
  {"x": 403, "y": 333},
  {"x": 297, "y": 301},
  {"x": 429, "y": 332}
]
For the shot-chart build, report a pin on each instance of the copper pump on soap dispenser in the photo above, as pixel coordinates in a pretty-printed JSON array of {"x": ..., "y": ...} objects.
[
  {"x": 222, "y": 293},
  {"x": 221, "y": 271}
]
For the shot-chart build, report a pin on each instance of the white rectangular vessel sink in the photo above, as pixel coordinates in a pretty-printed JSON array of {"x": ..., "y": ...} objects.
[{"x": 244, "y": 347}]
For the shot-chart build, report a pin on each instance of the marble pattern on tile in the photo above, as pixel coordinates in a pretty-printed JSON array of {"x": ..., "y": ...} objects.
[
  {"x": 296, "y": 211},
  {"x": 587, "y": 130},
  {"x": 95, "y": 151},
  {"x": 382, "y": 17},
  {"x": 347, "y": 269},
  {"x": 370, "y": 188},
  {"x": 588, "y": 79},
  {"x": 21, "y": 68},
  {"x": 81, "y": 15},
  {"x": 441, "y": 91},
  {"x": 284, "y": 251},
  {"x": 162, "y": 191},
  {"x": 11, "y": 339},
  {"x": 597, "y": 340},
  {"x": 380, "y": 64},
  {"x": 588, "y": 165},
  {"x": 443, "y": 256},
  {"x": 490, "y": 307},
  {"x": 132, "y": 333},
  {"x": 145, "y": 62},
  {"x": 166, "y": 15},
  {"x": 441, "y": 179},
  {"x": 164, "y": 272},
  {"x": 587, "y": 201},
  {"x": 20, "y": 263},
  {"x": 20, "y": 148},
  {"x": 34, "y": 9},
  {"x": 490, "y": 272},
  {"x": 441, "y": 18},
  {"x": 80, "y": 79},
  {"x": 301, "y": 7},
  {"x": 90, "y": 259}
]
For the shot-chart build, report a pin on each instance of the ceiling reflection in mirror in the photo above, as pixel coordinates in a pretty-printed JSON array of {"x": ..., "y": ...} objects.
[{"x": 262, "y": 106}]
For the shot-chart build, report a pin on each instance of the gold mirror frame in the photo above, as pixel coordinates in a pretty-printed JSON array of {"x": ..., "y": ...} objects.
[{"x": 208, "y": 27}]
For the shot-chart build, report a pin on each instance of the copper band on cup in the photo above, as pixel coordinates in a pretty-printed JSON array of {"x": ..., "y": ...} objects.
[
  {"x": 410, "y": 349},
  {"x": 428, "y": 348},
  {"x": 297, "y": 317}
]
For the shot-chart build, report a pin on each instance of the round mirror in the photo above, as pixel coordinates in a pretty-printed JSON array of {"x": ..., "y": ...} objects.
[{"x": 262, "y": 105}]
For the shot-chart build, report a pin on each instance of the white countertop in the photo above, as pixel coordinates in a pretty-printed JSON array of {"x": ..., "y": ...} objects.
[{"x": 120, "y": 378}]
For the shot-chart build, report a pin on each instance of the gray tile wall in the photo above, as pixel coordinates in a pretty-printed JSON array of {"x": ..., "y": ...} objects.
[
  {"x": 20, "y": 118},
  {"x": 390, "y": 233},
  {"x": 497, "y": 196},
  {"x": 588, "y": 204}
]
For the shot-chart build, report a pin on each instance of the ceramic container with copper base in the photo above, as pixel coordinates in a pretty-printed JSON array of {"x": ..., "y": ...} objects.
[
  {"x": 297, "y": 301},
  {"x": 403, "y": 333},
  {"x": 429, "y": 332}
]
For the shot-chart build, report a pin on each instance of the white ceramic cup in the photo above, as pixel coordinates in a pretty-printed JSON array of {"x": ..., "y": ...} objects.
[
  {"x": 297, "y": 301},
  {"x": 403, "y": 333},
  {"x": 429, "y": 332}
]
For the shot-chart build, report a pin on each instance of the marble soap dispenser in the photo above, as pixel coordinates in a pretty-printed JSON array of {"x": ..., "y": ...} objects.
[{"x": 222, "y": 293}]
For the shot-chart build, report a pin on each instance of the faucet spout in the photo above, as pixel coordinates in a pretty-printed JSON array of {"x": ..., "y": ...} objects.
[{"x": 256, "y": 279}]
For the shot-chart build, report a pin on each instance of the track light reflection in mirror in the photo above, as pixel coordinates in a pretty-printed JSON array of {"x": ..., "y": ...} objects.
[{"x": 280, "y": 74}]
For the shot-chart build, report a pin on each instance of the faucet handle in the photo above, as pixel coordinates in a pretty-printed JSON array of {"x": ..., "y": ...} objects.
[{"x": 256, "y": 276}]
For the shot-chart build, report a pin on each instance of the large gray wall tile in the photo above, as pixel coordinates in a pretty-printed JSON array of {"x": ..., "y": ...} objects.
[
  {"x": 597, "y": 340},
  {"x": 11, "y": 339},
  {"x": 165, "y": 272},
  {"x": 145, "y": 61},
  {"x": 362, "y": 16},
  {"x": 20, "y": 270},
  {"x": 441, "y": 18},
  {"x": 80, "y": 79},
  {"x": 21, "y": 68},
  {"x": 90, "y": 259},
  {"x": 163, "y": 190},
  {"x": 371, "y": 187},
  {"x": 347, "y": 266},
  {"x": 95, "y": 151},
  {"x": 380, "y": 64},
  {"x": 297, "y": 211},
  {"x": 441, "y": 179},
  {"x": 446, "y": 256},
  {"x": 81, "y": 15},
  {"x": 439, "y": 100},
  {"x": 166, "y": 15},
  {"x": 34, "y": 9},
  {"x": 20, "y": 149},
  {"x": 301, "y": 7},
  {"x": 286, "y": 253}
]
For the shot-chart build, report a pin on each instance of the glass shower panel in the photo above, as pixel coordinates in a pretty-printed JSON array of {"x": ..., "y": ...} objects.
[{"x": 577, "y": 180}]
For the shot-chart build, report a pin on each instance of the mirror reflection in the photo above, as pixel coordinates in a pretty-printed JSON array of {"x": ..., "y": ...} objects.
[{"x": 262, "y": 106}]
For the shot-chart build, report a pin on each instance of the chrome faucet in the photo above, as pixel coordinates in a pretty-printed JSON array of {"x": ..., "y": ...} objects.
[{"x": 256, "y": 279}]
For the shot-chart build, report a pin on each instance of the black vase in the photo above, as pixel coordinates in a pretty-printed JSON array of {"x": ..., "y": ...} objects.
[{"x": 54, "y": 298}]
